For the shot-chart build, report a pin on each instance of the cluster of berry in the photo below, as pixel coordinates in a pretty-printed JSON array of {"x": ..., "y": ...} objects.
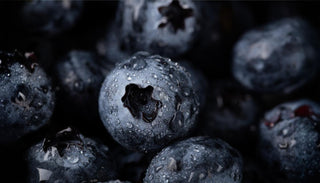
[{"x": 159, "y": 91}]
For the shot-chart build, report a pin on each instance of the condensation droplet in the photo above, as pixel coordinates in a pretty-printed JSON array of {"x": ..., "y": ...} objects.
[
  {"x": 73, "y": 159},
  {"x": 219, "y": 168},
  {"x": 129, "y": 125},
  {"x": 158, "y": 168}
]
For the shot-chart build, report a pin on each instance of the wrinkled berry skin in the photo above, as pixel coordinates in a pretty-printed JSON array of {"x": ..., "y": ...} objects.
[
  {"x": 198, "y": 159},
  {"x": 80, "y": 75},
  {"x": 231, "y": 113},
  {"x": 51, "y": 17},
  {"x": 279, "y": 57},
  {"x": 26, "y": 97},
  {"x": 69, "y": 157},
  {"x": 148, "y": 101},
  {"x": 167, "y": 27},
  {"x": 290, "y": 138}
]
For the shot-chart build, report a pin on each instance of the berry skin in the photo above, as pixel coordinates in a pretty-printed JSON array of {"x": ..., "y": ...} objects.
[
  {"x": 26, "y": 98},
  {"x": 279, "y": 57},
  {"x": 51, "y": 17},
  {"x": 67, "y": 156},
  {"x": 198, "y": 159},
  {"x": 231, "y": 113},
  {"x": 80, "y": 75},
  {"x": 290, "y": 138},
  {"x": 167, "y": 27},
  {"x": 148, "y": 101}
]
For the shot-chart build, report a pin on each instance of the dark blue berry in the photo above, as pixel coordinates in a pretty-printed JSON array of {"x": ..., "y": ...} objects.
[
  {"x": 26, "y": 98},
  {"x": 167, "y": 27},
  {"x": 148, "y": 101},
  {"x": 67, "y": 156},
  {"x": 51, "y": 17},
  {"x": 290, "y": 140},
  {"x": 279, "y": 57},
  {"x": 80, "y": 75},
  {"x": 198, "y": 159}
]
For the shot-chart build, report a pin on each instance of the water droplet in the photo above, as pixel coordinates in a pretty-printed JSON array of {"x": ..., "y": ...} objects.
[
  {"x": 129, "y": 125},
  {"x": 219, "y": 168},
  {"x": 283, "y": 145},
  {"x": 76, "y": 84},
  {"x": 285, "y": 131},
  {"x": 292, "y": 143},
  {"x": 158, "y": 168},
  {"x": 44, "y": 174},
  {"x": 202, "y": 176},
  {"x": 129, "y": 78},
  {"x": 177, "y": 121},
  {"x": 191, "y": 176},
  {"x": 155, "y": 76},
  {"x": 73, "y": 159},
  {"x": 172, "y": 164},
  {"x": 8, "y": 75}
]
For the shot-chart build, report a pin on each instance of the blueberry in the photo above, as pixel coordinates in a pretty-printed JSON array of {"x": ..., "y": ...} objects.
[
  {"x": 26, "y": 98},
  {"x": 51, "y": 17},
  {"x": 67, "y": 156},
  {"x": 279, "y": 57},
  {"x": 167, "y": 27},
  {"x": 231, "y": 113},
  {"x": 290, "y": 138},
  {"x": 148, "y": 101},
  {"x": 80, "y": 75},
  {"x": 198, "y": 159}
]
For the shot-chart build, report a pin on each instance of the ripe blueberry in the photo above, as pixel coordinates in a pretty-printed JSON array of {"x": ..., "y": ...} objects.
[
  {"x": 290, "y": 138},
  {"x": 167, "y": 27},
  {"x": 51, "y": 17},
  {"x": 67, "y": 156},
  {"x": 80, "y": 75},
  {"x": 198, "y": 159},
  {"x": 26, "y": 98},
  {"x": 279, "y": 57},
  {"x": 148, "y": 101}
]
